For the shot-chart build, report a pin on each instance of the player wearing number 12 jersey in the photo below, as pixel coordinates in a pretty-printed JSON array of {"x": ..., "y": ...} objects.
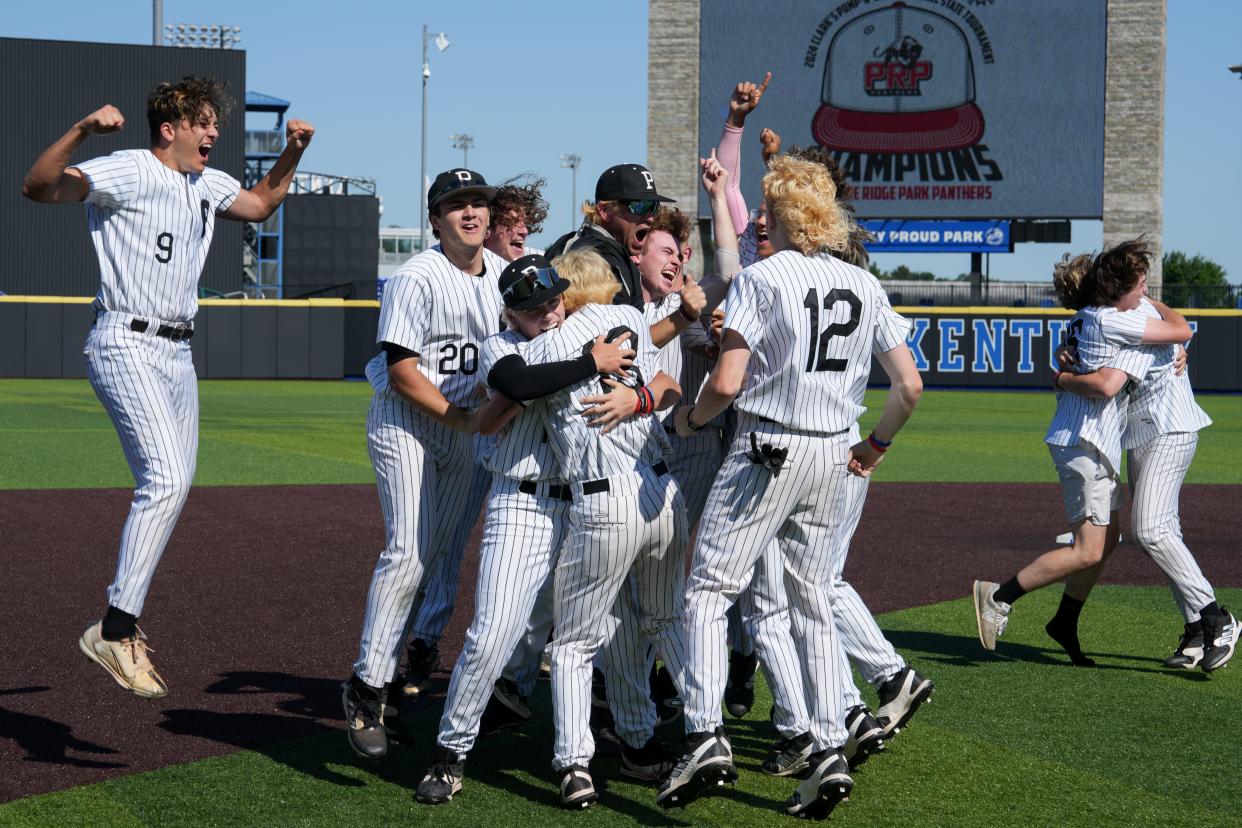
[
  {"x": 800, "y": 330},
  {"x": 436, "y": 311},
  {"x": 151, "y": 214}
]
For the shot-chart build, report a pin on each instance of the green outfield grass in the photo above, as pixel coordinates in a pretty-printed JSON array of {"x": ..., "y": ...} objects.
[
  {"x": 1013, "y": 738},
  {"x": 54, "y": 434}
]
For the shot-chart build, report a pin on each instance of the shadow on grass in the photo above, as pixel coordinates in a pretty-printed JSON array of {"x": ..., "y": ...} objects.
[{"x": 47, "y": 740}]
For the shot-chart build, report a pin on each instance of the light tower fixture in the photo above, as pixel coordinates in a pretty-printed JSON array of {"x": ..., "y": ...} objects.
[
  {"x": 572, "y": 161},
  {"x": 201, "y": 36}
]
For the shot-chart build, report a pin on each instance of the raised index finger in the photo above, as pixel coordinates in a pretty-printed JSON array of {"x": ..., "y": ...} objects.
[{"x": 766, "y": 79}]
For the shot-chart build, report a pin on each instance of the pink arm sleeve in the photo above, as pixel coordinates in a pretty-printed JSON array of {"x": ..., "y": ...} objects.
[{"x": 729, "y": 154}]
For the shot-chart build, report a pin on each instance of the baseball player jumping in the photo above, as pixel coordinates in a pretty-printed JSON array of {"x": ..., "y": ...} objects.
[
  {"x": 151, "y": 213},
  {"x": 800, "y": 330}
]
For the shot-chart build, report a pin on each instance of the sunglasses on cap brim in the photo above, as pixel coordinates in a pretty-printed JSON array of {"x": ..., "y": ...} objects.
[
  {"x": 643, "y": 207},
  {"x": 532, "y": 281}
]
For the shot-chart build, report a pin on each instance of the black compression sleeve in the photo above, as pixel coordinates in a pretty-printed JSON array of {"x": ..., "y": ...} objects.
[
  {"x": 396, "y": 353},
  {"x": 518, "y": 381}
]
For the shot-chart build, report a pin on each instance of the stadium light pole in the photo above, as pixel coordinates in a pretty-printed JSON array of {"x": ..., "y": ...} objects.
[
  {"x": 1237, "y": 70},
  {"x": 463, "y": 142},
  {"x": 157, "y": 22},
  {"x": 442, "y": 43},
  {"x": 572, "y": 162}
]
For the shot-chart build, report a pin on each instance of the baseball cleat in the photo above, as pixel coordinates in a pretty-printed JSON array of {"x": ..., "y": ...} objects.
[
  {"x": 125, "y": 660},
  {"x": 992, "y": 615},
  {"x": 1220, "y": 639},
  {"x": 423, "y": 660},
  {"x": 577, "y": 788},
  {"x": 707, "y": 761},
  {"x": 505, "y": 709},
  {"x": 866, "y": 736},
  {"x": 790, "y": 756},
  {"x": 443, "y": 778},
  {"x": 900, "y": 697},
  {"x": 1189, "y": 651},
  {"x": 364, "y": 716},
  {"x": 825, "y": 787},
  {"x": 650, "y": 763},
  {"x": 739, "y": 694}
]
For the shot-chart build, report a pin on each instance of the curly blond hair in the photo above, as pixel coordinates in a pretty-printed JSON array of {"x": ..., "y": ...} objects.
[
  {"x": 1073, "y": 280},
  {"x": 591, "y": 281},
  {"x": 803, "y": 198}
]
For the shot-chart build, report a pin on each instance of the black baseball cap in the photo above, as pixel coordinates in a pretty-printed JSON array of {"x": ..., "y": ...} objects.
[
  {"x": 457, "y": 180},
  {"x": 627, "y": 182},
  {"x": 530, "y": 281}
]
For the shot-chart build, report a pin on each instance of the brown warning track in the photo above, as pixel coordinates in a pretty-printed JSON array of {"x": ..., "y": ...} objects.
[{"x": 256, "y": 609}]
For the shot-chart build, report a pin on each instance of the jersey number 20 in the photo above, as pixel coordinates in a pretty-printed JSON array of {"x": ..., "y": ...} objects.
[
  {"x": 817, "y": 357},
  {"x": 464, "y": 360}
]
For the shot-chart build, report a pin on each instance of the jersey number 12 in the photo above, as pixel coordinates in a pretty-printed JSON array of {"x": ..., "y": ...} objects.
[{"x": 817, "y": 357}]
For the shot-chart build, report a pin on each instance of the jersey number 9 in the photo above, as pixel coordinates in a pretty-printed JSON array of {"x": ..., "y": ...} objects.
[{"x": 164, "y": 242}]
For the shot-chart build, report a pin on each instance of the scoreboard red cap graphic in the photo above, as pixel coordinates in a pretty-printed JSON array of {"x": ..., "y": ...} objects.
[{"x": 898, "y": 80}]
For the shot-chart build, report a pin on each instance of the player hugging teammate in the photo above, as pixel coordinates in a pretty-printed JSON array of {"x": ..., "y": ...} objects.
[{"x": 1123, "y": 391}]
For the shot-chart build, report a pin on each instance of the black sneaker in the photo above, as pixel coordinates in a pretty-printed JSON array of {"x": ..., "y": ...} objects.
[
  {"x": 866, "y": 736},
  {"x": 790, "y": 756},
  {"x": 650, "y": 763},
  {"x": 423, "y": 660},
  {"x": 664, "y": 693},
  {"x": 1220, "y": 639},
  {"x": 900, "y": 697},
  {"x": 364, "y": 717},
  {"x": 1189, "y": 650},
  {"x": 505, "y": 709},
  {"x": 443, "y": 778},
  {"x": 739, "y": 694},
  {"x": 577, "y": 788},
  {"x": 825, "y": 787},
  {"x": 707, "y": 761}
]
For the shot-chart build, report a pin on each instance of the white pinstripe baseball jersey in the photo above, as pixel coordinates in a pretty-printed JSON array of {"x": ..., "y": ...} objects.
[
  {"x": 443, "y": 315},
  {"x": 798, "y": 315},
  {"x": 1163, "y": 403},
  {"x": 521, "y": 451},
  {"x": 1096, "y": 421},
  {"x": 586, "y": 453},
  {"x": 151, "y": 227}
]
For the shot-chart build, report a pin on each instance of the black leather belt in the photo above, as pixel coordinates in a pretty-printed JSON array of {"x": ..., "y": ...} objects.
[
  {"x": 174, "y": 332},
  {"x": 556, "y": 491},
  {"x": 601, "y": 485}
]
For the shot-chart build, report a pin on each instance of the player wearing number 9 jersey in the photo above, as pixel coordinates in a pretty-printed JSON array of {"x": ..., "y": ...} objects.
[
  {"x": 436, "y": 311},
  {"x": 151, "y": 214},
  {"x": 799, "y": 333}
]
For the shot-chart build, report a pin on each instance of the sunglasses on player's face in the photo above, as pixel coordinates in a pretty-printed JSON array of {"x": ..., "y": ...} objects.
[
  {"x": 533, "y": 280},
  {"x": 643, "y": 207}
]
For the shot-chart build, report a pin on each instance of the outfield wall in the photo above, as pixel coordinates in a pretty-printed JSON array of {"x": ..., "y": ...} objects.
[{"x": 981, "y": 347}]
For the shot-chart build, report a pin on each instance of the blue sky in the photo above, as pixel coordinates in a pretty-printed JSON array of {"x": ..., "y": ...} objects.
[{"x": 533, "y": 81}]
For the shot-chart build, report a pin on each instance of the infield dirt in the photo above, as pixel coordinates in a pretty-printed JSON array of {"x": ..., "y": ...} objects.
[{"x": 255, "y": 612}]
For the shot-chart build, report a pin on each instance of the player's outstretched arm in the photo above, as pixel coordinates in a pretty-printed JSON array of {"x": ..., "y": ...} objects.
[
  {"x": 495, "y": 414},
  {"x": 259, "y": 202},
  {"x": 906, "y": 386},
  {"x": 51, "y": 180}
]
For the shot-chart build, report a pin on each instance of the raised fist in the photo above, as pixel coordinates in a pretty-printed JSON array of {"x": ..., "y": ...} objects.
[
  {"x": 299, "y": 133},
  {"x": 102, "y": 121}
]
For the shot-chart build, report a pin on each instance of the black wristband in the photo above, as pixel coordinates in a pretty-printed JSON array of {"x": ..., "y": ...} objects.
[
  {"x": 691, "y": 318},
  {"x": 690, "y": 423}
]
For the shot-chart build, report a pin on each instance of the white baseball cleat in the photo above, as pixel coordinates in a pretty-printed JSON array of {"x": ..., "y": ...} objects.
[
  {"x": 992, "y": 615},
  {"x": 125, "y": 660}
]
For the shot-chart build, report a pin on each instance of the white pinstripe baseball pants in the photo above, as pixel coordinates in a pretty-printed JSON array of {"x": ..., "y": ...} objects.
[
  {"x": 521, "y": 536},
  {"x": 1156, "y": 471},
  {"x": 428, "y": 487},
  {"x": 749, "y": 507},
  {"x": 523, "y": 666},
  {"x": 638, "y": 526},
  {"x": 147, "y": 385}
]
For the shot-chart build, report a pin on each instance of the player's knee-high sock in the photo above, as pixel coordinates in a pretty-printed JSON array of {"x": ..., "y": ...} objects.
[{"x": 1063, "y": 629}]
